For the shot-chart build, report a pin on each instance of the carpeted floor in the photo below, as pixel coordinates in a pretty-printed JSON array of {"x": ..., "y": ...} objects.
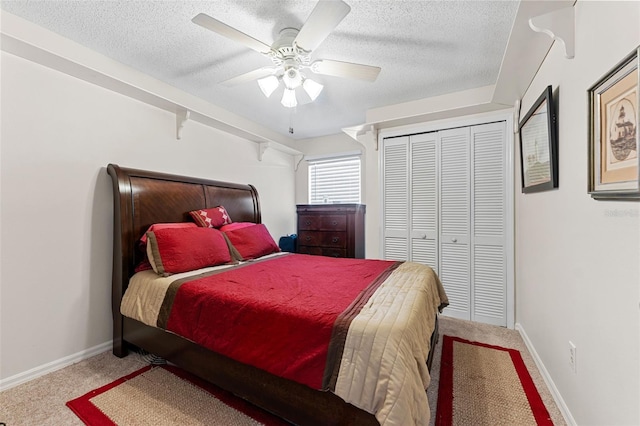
[{"x": 42, "y": 401}]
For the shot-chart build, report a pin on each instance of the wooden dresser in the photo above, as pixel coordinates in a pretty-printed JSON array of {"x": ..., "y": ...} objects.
[{"x": 335, "y": 230}]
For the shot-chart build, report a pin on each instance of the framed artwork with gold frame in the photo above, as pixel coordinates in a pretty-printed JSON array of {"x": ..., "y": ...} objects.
[{"x": 614, "y": 163}]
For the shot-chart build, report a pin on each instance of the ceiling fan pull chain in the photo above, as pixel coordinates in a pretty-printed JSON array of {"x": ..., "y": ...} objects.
[{"x": 291, "y": 112}]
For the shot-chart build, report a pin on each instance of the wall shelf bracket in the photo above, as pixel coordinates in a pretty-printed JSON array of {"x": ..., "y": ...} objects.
[
  {"x": 182, "y": 115},
  {"x": 560, "y": 26},
  {"x": 262, "y": 148}
]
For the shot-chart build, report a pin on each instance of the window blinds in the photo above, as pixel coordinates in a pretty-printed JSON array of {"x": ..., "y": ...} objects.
[{"x": 334, "y": 180}]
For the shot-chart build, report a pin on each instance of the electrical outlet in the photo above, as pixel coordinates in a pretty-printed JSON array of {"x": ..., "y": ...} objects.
[{"x": 572, "y": 356}]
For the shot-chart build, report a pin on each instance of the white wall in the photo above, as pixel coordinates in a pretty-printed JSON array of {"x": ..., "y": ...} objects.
[
  {"x": 578, "y": 260},
  {"x": 58, "y": 135}
]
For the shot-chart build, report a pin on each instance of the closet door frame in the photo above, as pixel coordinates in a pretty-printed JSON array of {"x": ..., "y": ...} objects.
[{"x": 465, "y": 121}]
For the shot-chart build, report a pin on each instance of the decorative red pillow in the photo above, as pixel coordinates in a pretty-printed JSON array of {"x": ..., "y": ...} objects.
[
  {"x": 211, "y": 218},
  {"x": 252, "y": 241},
  {"x": 175, "y": 250},
  {"x": 144, "y": 265},
  {"x": 235, "y": 225}
]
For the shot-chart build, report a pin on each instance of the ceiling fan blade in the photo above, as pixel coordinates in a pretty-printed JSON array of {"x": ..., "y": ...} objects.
[
  {"x": 323, "y": 19},
  {"x": 250, "y": 76},
  {"x": 231, "y": 33},
  {"x": 345, "y": 69}
]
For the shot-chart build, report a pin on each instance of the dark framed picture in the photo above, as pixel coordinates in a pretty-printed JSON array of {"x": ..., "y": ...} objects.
[
  {"x": 613, "y": 133},
  {"x": 539, "y": 145}
]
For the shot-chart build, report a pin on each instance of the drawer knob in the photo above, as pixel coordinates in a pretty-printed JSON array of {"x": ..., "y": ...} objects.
[
  {"x": 334, "y": 223},
  {"x": 308, "y": 222},
  {"x": 335, "y": 239},
  {"x": 308, "y": 238},
  {"x": 455, "y": 240}
]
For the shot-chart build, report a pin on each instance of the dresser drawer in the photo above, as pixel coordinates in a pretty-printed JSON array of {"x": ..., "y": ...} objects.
[
  {"x": 310, "y": 250},
  {"x": 323, "y": 251},
  {"x": 334, "y": 252},
  {"x": 322, "y": 239},
  {"x": 311, "y": 222}
]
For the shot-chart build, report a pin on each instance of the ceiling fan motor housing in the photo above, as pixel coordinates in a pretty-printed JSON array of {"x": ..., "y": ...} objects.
[{"x": 284, "y": 50}]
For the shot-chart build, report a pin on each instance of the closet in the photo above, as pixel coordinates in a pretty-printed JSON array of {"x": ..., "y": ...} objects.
[{"x": 446, "y": 204}]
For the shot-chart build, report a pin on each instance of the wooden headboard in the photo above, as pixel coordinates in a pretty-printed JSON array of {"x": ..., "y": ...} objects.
[{"x": 142, "y": 198}]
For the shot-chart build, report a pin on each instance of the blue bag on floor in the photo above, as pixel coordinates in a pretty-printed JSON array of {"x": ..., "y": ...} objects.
[{"x": 288, "y": 243}]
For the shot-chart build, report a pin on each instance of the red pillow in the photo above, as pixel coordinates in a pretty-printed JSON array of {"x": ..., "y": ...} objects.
[
  {"x": 211, "y": 218},
  {"x": 252, "y": 241},
  {"x": 175, "y": 250},
  {"x": 144, "y": 265},
  {"x": 235, "y": 225}
]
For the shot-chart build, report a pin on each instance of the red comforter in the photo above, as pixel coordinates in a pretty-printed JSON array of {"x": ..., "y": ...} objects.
[{"x": 262, "y": 314}]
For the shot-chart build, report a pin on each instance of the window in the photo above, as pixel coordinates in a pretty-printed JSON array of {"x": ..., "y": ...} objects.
[{"x": 334, "y": 180}]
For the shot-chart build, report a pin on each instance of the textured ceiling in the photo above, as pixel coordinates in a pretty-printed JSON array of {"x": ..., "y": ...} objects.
[{"x": 425, "y": 49}]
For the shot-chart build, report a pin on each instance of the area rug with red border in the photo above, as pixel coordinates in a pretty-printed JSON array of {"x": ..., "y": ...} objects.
[
  {"x": 156, "y": 395},
  {"x": 482, "y": 384}
]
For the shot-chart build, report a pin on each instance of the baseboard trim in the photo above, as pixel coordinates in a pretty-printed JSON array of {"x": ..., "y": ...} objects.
[
  {"x": 52, "y": 366},
  {"x": 568, "y": 418}
]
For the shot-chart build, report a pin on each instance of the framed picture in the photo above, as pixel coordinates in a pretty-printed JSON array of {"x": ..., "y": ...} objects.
[
  {"x": 613, "y": 133},
  {"x": 539, "y": 145}
]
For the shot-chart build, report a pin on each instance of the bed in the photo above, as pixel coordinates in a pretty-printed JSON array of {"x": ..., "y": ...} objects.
[{"x": 143, "y": 198}]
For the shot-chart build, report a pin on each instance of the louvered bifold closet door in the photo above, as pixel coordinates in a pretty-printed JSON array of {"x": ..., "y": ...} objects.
[
  {"x": 455, "y": 205},
  {"x": 489, "y": 288},
  {"x": 396, "y": 198},
  {"x": 424, "y": 199}
]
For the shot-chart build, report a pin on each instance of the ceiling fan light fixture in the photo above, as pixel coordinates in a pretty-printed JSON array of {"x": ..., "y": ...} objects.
[
  {"x": 268, "y": 85},
  {"x": 312, "y": 88},
  {"x": 289, "y": 98},
  {"x": 292, "y": 78}
]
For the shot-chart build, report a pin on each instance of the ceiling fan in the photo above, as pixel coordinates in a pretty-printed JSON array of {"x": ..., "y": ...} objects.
[{"x": 291, "y": 54}]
